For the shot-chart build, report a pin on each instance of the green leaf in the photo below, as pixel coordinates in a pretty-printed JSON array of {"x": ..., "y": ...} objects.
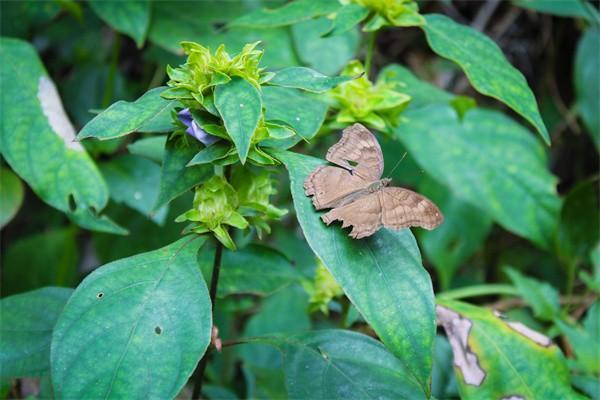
[
  {"x": 495, "y": 358},
  {"x": 133, "y": 181},
  {"x": 587, "y": 73},
  {"x": 26, "y": 330},
  {"x": 585, "y": 340},
  {"x": 422, "y": 93},
  {"x": 255, "y": 269},
  {"x": 485, "y": 66},
  {"x": 562, "y": 8},
  {"x": 347, "y": 18},
  {"x": 240, "y": 106},
  {"x": 328, "y": 55},
  {"x": 443, "y": 382},
  {"x": 339, "y": 364},
  {"x": 45, "y": 259},
  {"x": 579, "y": 229},
  {"x": 149, "y": 113},
  {"x": 211, "y": 153},
  {"x": 152, "y": 148},
  {"x": 541, "y": 296},
  {"x": 306, "y": 79},
  {"x": 37, "y": 140},
  {"x": 284, "y": 312},
  {"x": 11, "y": 196},
  {"x": 131, "y": 17},
  {"x": 489, "y": 161},
  {"x": 382, "y": 272},
  {"x": 175, "y": 177},
  {"x": 463, "y": 232},
  {"x": 303, "y": 112},
  {"x": 135, "y": 327},
  {"x": 289, "y": 14},
  {"x": 588, "y": 384}
]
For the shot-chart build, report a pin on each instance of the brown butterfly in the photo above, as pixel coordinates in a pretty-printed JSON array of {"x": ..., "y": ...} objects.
[{"x": 358, "y": 195}]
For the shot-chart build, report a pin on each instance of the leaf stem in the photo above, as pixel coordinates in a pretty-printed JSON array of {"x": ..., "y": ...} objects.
[
  {"x": 112, "y": 72},
  {"x": 370, "y": 50},
  {"x": 214, "y": 283},
  {"x": 478, "y": 290}
]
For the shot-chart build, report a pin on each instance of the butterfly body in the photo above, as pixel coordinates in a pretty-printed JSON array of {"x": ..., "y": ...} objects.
[{"x": 357, "y": 194}]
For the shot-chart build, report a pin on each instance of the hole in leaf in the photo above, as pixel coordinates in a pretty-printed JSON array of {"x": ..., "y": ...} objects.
[
  {"x": 219, "y": 25},
  {"x": 352, "y": 163},
  {"x": 100, "y": 295},
  {"x": 158, "y": 330}
]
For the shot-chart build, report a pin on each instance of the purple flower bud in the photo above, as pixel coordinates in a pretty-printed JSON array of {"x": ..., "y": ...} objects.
[{"x": 185, "y": 116}]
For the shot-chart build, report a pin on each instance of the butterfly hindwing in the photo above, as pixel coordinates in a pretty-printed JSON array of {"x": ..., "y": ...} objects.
[
  {"x": 403, "y": 208},
  {"x": 363, "y": 214}
]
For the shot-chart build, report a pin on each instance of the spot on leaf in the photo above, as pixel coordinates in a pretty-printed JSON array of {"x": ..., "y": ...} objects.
[{"x": 158, "y": 330}]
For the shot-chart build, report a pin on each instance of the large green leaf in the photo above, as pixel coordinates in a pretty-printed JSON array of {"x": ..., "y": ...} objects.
[
  {"x": 563, "y": 8},
  {"x": 338, "y": 364},
  {"x": 299, "y": 110},
  {"x": 291, "y": 13},
  {"x": 587, "y": 75},
  {"x": 327, "y": 55},
  {"x": 306, "y": 79},
  {"x": 133, "y": 181},
  {"x": 495, "y": 358},
  {"x": 44, "y": 259},
  {"x": 491, "y": 162},
  {"x": 382, "y": 275},
  {"x": 37, "y": 140},
  {"x": 134, "y": 328},
  {"x": 485, "y": 66},
  {"x": 254, "y": 269},
  {"x": 463, "y": 232},
  {"x": 152, "y": 147},
  {"x": 541, "y": 296},
  {"x": 131, "y": 17},
  {"x": 27, "y": 321},
  {"x": 11, "y": 195},
  {"x": 149, "y": 113},
  {"x": 175, "y": 177},
  {"x": 240, "y": 106}
]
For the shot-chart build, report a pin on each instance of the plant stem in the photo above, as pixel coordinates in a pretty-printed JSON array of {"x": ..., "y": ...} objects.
[
  {"x": 214, "y": 282},
  {"x": 370, "y": 50},
  {"x": 112, "y": 72},
  {"x": 478, "y": 290}
]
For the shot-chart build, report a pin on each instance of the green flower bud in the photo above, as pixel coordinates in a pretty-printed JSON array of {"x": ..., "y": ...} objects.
[
  {"x": 359, "y": 100},
  {"x": 391, "y": 13},
  {"x": 323, "y": 289}
]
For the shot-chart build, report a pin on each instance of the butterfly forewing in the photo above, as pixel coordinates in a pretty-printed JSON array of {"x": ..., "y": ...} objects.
[
  {"x": 358, "y": 151},
  {"x": 332, "y": 186}
]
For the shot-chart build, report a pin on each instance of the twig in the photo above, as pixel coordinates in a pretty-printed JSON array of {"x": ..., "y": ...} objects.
[{"x": 214, "y": 282}]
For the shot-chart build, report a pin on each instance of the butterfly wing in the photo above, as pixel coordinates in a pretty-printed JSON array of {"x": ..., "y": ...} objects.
[
  {"x": 359, "y": 152},
  {"x": 332, "y": 186},
  {"x": 403, "y": 208},
  {"x": 363, "y": 214}
]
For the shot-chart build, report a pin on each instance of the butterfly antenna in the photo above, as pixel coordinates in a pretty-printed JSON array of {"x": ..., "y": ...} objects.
[{"x": 398, "y": 163}]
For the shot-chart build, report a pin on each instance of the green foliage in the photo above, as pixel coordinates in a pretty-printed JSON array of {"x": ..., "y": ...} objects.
[
  {"x": 40, "y": 126},
  {"x": 494, "y": 165},
  {"x": 211, "y": 148},
  {"x": 153, "y": 320},
  {"x": 587, "y": 71},
  {"x": 26, "y": 330},
  {"x": 149, "y": 113},
  {"x": 360, "y": 100},
  {"x": 11, "y": 195},
  {"x": 485, "y": 66},
  {"x": 131, "y": 17},
  {"x": 503, "y": 350},
  {"x": 334, "y": 361}
]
